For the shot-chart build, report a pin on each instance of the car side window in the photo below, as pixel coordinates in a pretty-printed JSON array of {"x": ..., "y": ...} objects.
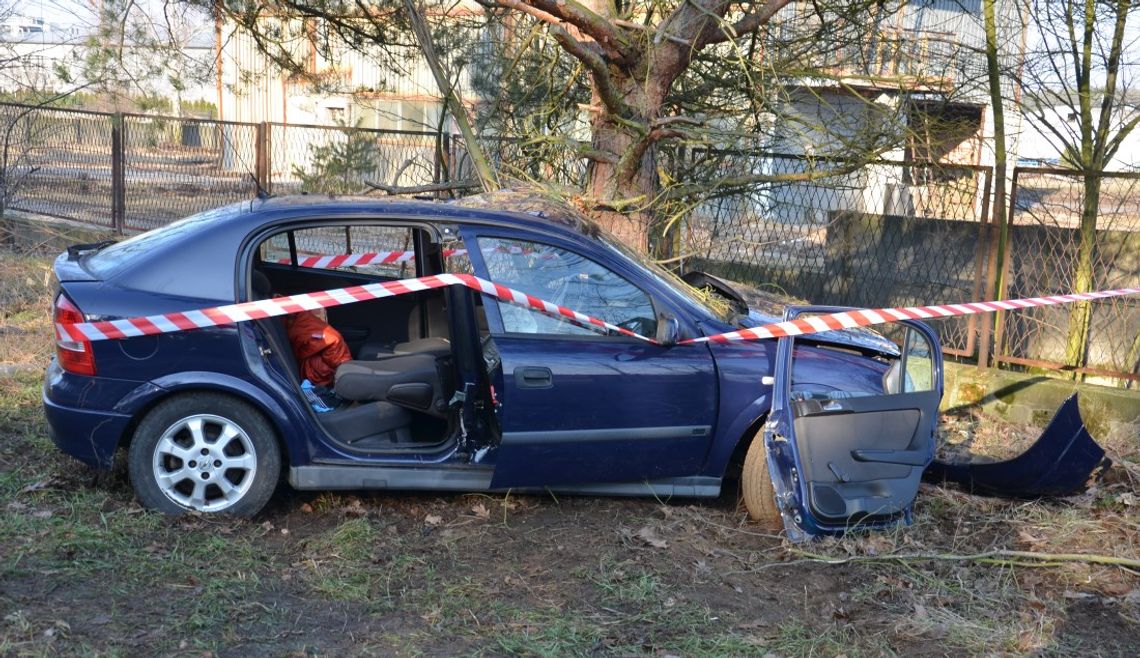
[
  {"x": 276, "y": 249},
  {"x": 455, "y": 258},
  {"x": 919, "y": 363},
  {"x": 565, "y": 278},
  {"x": 384, "y": 250},
  {"x": 393, "y": 248}
]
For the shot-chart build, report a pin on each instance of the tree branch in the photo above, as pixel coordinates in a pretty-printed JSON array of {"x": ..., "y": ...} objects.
[
  {"x": 593, "y": 60},
  {"x": 468, "y": 184},
  {"x": 525, "y": 8},
  {"x": 746, "y": 25},
  {"x": 999, "y": 556},
  {"x": 735, "y": 183},
  {"x": 610, "y": 37}
]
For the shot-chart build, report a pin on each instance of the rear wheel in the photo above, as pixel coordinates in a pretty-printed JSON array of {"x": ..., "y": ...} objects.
[
  {"x": 204, "y": 452},
  {"x": 756, "y": 486}
]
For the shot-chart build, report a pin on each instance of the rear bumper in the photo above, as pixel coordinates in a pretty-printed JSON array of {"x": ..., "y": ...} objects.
[{"x": 78, "y": 416}]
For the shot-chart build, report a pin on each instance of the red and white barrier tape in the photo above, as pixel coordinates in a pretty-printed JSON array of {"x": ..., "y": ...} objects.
[
  {"x": 267, "y": 308},
  {"x": 868, "y": 317},
  {"x": 322, "y": 261},
  {"x": 330, "y": 261}
]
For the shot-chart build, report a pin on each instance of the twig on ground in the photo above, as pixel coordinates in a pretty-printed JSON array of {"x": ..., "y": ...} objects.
[{"x": 999, "y": 556}]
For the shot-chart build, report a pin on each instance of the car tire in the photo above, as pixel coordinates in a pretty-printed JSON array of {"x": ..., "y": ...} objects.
[
  {"x": 242, "y": 461},
  {"x": 756, "y": 486}
]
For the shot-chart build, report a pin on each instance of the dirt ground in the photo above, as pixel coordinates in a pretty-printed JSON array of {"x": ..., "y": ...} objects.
[{"x": 85, "y": 571}]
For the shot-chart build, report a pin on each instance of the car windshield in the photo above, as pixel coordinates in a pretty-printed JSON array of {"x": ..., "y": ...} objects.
[{"x": 720, "y": 310}]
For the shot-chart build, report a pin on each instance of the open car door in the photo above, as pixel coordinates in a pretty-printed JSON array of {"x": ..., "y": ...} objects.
[{"x": 848, "y": 439}]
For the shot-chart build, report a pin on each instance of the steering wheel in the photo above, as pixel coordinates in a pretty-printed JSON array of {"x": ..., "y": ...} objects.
[{"x": 639, "y": 325}]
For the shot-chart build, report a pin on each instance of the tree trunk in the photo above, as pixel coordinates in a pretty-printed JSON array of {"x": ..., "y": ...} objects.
[
  {"x": 621, "y": 190},
  {"x": 1000, "y": 219},
  {"x": 1080, "y": 313},
  {"x": 621, "y": 181}
]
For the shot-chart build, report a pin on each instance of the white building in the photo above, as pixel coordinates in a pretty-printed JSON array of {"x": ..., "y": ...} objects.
[
  {"x": 34, "y": 52},
  {"x": 922, "y": 78},
  {"x": 40, "y": 56},
  {"x": 390, "y": 90}
]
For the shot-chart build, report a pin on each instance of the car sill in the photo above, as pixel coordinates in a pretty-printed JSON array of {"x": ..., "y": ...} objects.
[{"x": 330, "y": 477}]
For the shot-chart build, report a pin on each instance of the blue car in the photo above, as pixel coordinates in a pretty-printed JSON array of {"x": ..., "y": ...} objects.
[{"x": 448, "y": 389}]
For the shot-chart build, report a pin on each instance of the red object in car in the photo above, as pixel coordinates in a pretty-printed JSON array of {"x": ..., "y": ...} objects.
[{"x": 318, "y": 347}]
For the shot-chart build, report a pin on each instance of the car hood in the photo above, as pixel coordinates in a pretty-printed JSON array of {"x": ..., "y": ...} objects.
[{"x": 768, "y": 307}]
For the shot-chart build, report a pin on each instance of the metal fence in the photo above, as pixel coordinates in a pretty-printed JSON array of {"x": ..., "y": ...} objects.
[
  {"x": 1100, "y": 340},
  {"x": 884, "y": 234},
  {"x": 887, "y": 234}
]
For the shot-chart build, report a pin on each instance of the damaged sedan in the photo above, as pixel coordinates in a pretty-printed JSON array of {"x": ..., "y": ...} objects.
[{"x": 448, "y": 389}]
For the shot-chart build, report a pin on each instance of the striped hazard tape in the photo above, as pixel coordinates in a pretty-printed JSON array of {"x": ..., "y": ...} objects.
[
  {"x": 322, "y": 261},
  {"x": 869, "y": 317},
  {"x": 267, "y": 308}
]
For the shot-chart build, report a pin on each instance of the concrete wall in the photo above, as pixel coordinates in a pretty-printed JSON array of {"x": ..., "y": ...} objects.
[
  {"x": 891, "y": 260},
  {"x": 1033, "y": 400}
]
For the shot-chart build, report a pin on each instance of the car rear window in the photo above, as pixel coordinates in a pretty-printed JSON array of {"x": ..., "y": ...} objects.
[
  {"x": 390, "y": 250},
  {"x": 119, "y": 256}
]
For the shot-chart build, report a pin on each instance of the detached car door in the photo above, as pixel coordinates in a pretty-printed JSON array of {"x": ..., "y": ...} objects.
[
  {"x": 578, "y": 406},
  {"x": 850, "y": 435}
]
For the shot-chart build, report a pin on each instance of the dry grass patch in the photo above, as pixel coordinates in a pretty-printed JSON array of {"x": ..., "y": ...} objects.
[{"x": 26, "y": 286}]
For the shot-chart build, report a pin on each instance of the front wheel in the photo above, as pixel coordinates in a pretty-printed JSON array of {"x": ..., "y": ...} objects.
[
  {"x": 204, "y": 452},
  {"x": 756, "y": 486}
]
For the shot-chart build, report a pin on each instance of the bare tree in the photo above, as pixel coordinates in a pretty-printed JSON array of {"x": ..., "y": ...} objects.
[
  {"x": 621, "y": 84},
  {"x": 1079, "y": 86}
]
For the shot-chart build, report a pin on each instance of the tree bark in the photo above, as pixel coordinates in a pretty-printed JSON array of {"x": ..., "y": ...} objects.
[
  {"x": 1080, "y": 313},
  {"x": 622, "y": 176},
  {"x": 1000, "y": 220}
]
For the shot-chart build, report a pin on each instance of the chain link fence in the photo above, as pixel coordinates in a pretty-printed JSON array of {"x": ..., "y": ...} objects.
[
  {"x": 1050, "y": 250},
  {"x": 882, "y": 235},
  {"x": 346, "y": 160},
  {"x": 877, "y": 235},
  {"x": 175, "y": 167},
  {"x": 57, "y": 162}
]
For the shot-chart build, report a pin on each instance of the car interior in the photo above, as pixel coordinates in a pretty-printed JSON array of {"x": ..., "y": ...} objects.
[{"x": 410, "y": 353}]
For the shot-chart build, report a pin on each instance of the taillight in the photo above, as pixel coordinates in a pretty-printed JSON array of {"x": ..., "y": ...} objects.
[{"x": 75, "y": 356}]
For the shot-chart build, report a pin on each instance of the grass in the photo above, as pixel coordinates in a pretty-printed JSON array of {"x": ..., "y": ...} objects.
[{"x": 25, "y": 316}]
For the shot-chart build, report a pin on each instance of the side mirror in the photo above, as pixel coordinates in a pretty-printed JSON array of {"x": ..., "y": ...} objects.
[{"x": 668, "y": 329}]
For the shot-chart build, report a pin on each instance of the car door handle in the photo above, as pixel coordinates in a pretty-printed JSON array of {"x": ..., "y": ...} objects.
[{"x": 533, "y": 377}]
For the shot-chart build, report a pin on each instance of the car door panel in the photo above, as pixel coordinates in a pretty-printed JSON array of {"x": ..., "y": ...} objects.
[
  {"x": 831, "y": 444},
  {"x": 855, "y": 448},
  {"x": 611, "y": 409},
  {"x": 583, "y": 407}
]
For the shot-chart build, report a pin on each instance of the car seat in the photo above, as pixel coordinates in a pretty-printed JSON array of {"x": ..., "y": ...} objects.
[{"x": 419, "y": 382}]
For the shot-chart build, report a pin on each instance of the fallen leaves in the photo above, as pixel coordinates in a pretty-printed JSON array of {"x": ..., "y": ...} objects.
[
  {"x": 644, "y": 537},
  {"x": 649, "y": 535}
]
